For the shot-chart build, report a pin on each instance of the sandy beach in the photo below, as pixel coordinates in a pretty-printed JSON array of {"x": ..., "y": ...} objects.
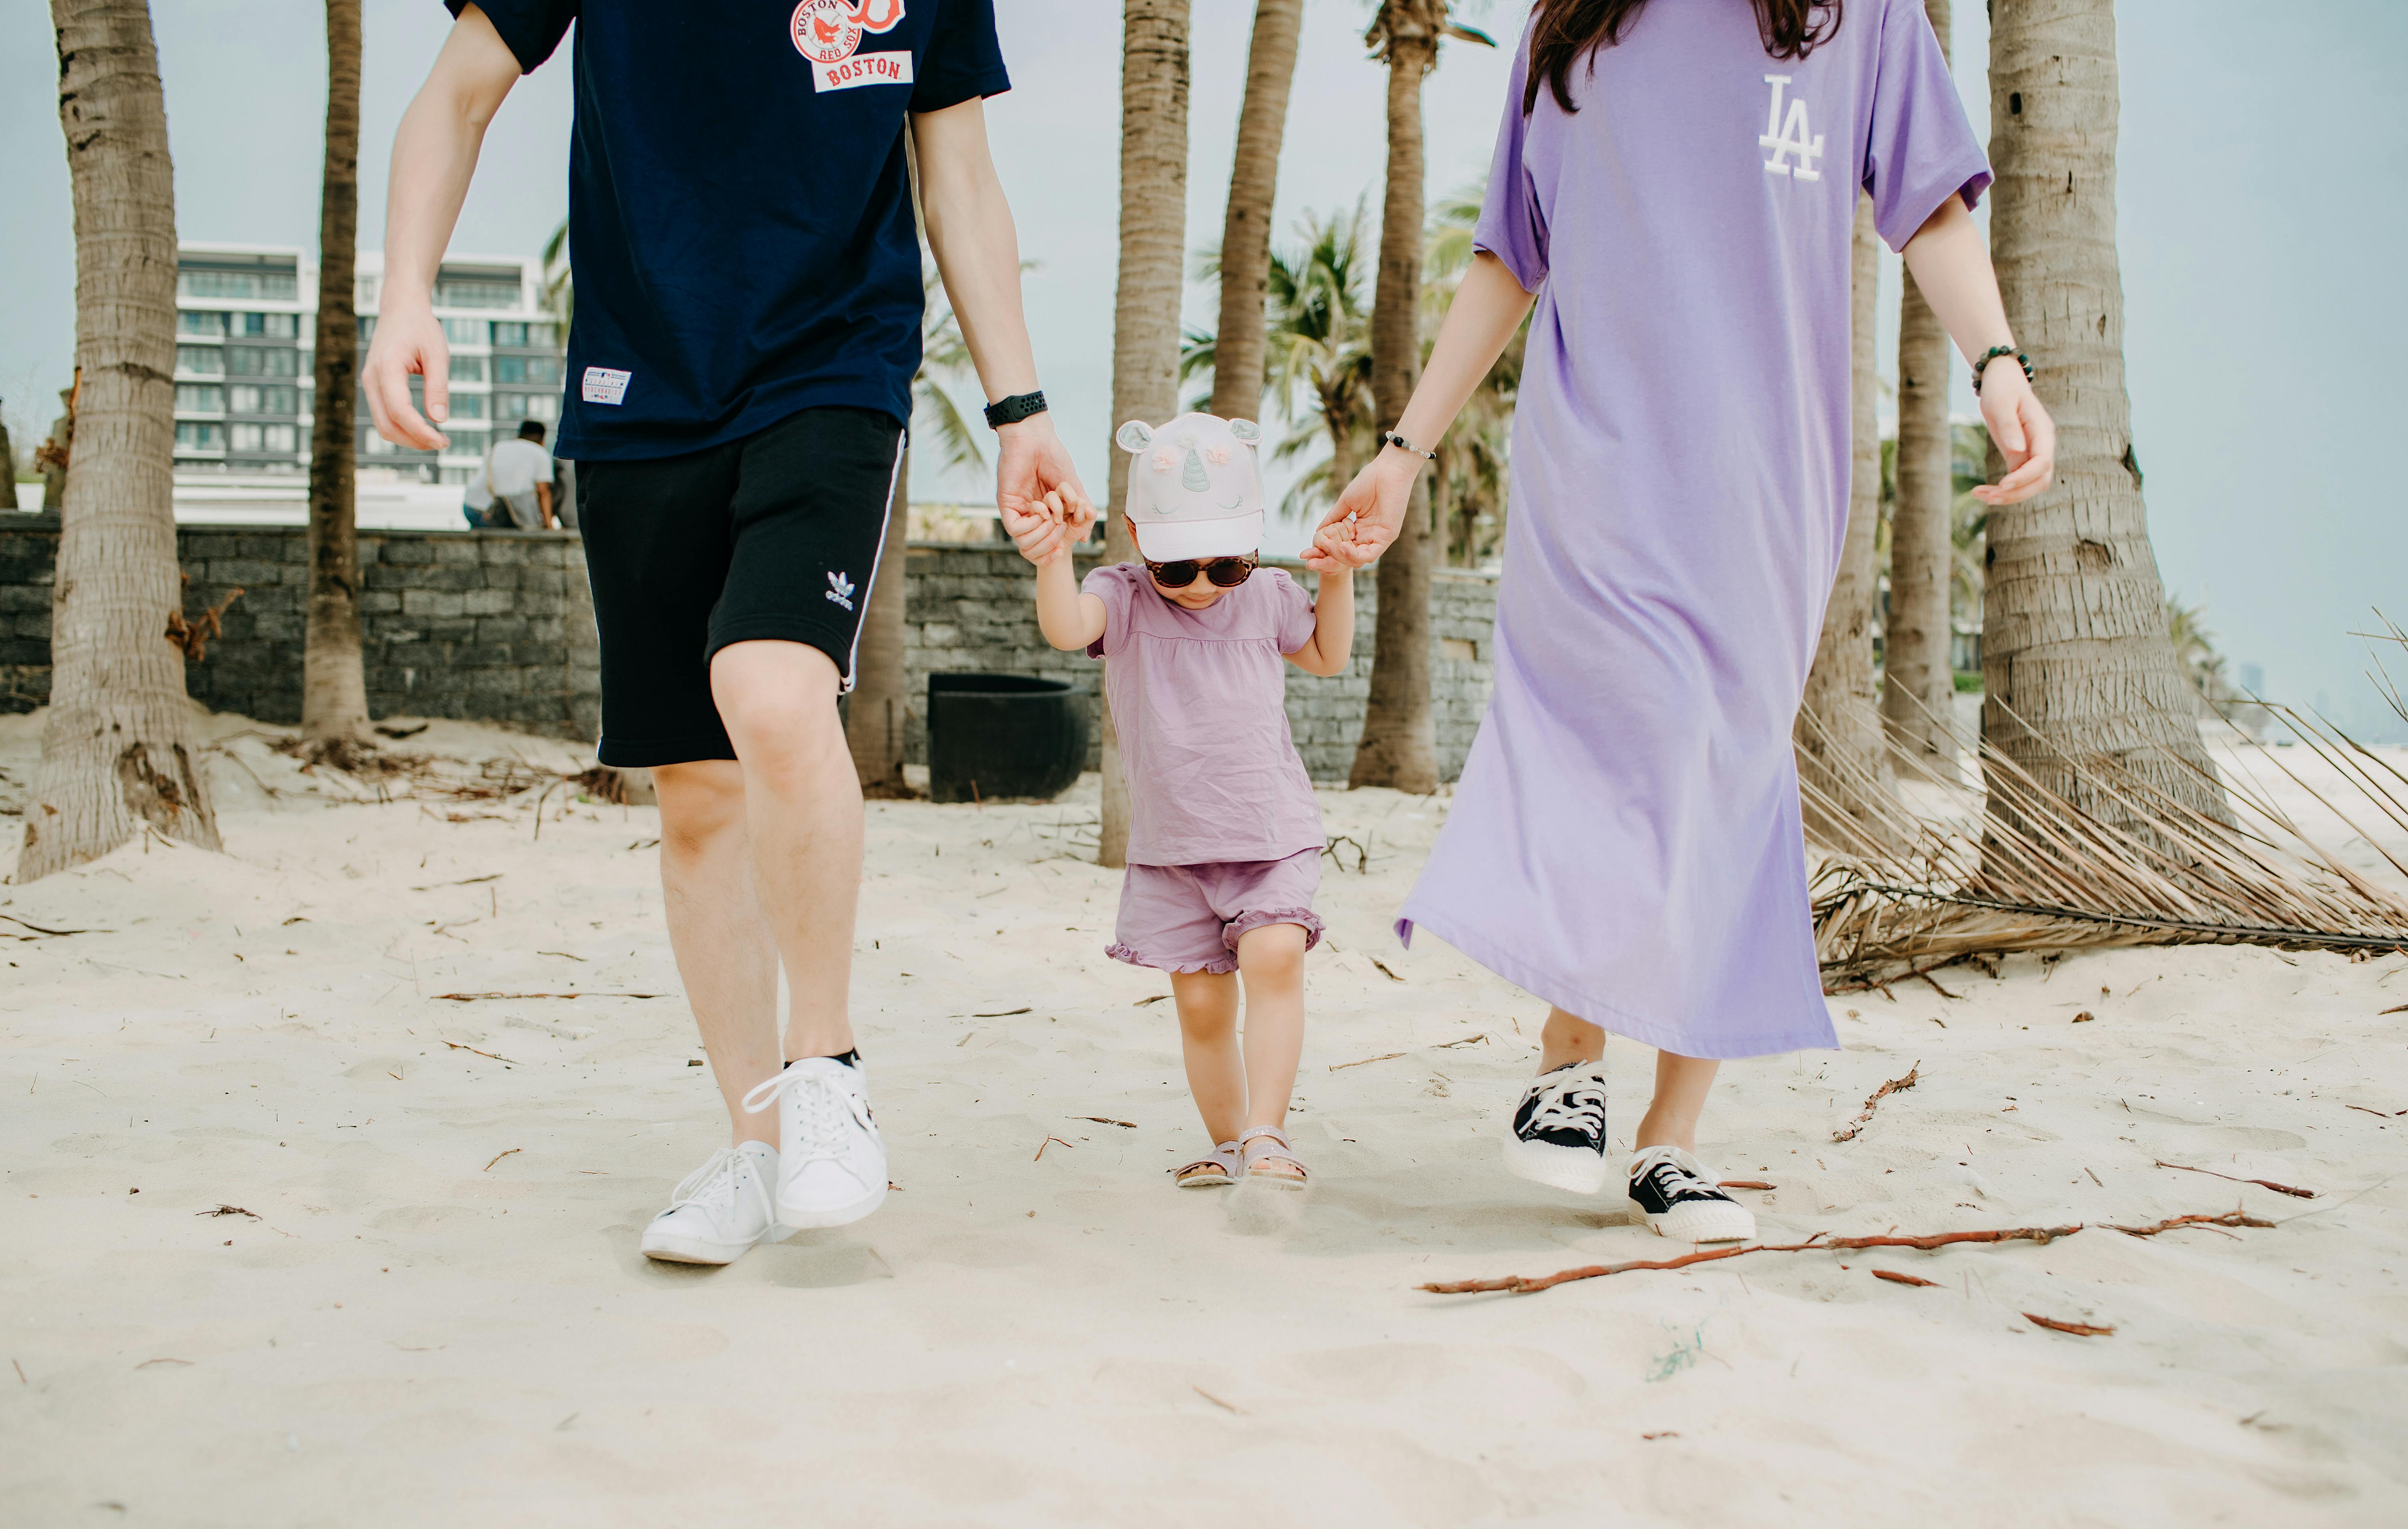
[{"x": 291, "y": 1236}]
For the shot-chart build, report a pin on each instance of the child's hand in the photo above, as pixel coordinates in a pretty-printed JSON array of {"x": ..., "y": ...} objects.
[
  {"x": 1036, "y": 528},
  {"x": 1320, "y": 559}
]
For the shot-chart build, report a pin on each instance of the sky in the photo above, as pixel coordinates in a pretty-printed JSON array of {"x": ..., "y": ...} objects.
[{"x": 2260, "y": 219}]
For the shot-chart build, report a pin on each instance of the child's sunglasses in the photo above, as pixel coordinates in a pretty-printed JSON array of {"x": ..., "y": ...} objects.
[{"x": 1225, "y": 572}]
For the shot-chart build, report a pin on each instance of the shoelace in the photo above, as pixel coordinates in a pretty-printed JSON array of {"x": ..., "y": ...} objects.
[
  {"x": 714, "y": 1184},
  {"x": 823, "y": 1111},
  {"x": 1674, "y": 1174},
  {"x": 1576, "y": 1101}
]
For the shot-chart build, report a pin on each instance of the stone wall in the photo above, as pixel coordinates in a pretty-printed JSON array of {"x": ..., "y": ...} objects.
[
  {"x": 974, "y": 608},
  {"x": 498, "y": 626},
  {"x": 482, "y": 625}
]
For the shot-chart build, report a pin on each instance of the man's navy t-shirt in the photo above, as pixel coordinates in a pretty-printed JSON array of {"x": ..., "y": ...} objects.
[{"x": 738, "y": 215}]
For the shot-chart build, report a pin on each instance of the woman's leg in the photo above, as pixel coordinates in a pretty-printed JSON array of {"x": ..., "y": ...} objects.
[
  {"x": 1207, "y": 1038},
  {"x": 1567, "y": 1038},
  {"x": 1271, "y": 959},
  {"x": 1671, "y": 1118}
]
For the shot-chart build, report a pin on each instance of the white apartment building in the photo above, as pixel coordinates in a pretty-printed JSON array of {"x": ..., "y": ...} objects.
[{"x": 246, "y": 324}]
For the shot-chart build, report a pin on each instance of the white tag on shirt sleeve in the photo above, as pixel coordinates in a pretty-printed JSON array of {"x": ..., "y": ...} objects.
[
  {"x": 863, "y": 69},
  {"x": 604, "y": 385}
]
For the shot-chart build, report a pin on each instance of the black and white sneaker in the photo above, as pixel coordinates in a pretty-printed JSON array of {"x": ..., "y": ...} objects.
[
  {"x": 1682, "y": 1201},
  {"x": 1558, "y": 1135}
]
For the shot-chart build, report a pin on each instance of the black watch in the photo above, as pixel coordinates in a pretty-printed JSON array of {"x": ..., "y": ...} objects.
[{"x": 1012, "y": 411}]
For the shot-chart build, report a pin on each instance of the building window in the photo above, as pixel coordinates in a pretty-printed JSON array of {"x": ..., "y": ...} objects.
[
  {"x": 265, "y": 325},
  {"x": 261, "y": 361},
  {"x": 468, "y": 368},
  {"x": 199, "y": 399},
  {"x": 200, "y": 435},
  {"x": 526, "y": 369},
  {"x": 211, "y": 325},
  {"x": 457, "y": 292},
  {"x": 284, "y": 439},
  {"x": 268, "y": 398},
  {"x": 465, "y": 331},
  {"x": 200, "y": 360},
  {"x": 468, "y": 406},
  {"x": 543, "y": 405},
  {"x": 272, "y": 287}
]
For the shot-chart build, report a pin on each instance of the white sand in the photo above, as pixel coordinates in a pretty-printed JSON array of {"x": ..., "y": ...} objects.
[{"x": 413, "y": 1332}]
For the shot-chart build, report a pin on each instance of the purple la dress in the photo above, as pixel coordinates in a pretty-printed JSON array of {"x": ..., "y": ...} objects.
[{"x": 1625, "y": 840}]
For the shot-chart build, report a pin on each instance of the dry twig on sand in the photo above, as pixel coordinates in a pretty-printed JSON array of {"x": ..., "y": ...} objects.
[
  {"x": 2291, "y": 1189},
  {"x": 229, "y": 1210},
  {"x": 2230, "y": 1218},
  {"x": 1896, "y": 1278},
  {"x": 457, "y": 1047},
  {"x": 472, "y": 998},
  {"x": 498, "y": 1157},
  {"x": 1895, "y": 1085},
  {"x": 2080, "y": 1330},
  {"x": 1050, "y": 1141},
  {"x": 50, "y": 933},
  {"x": 1107, "y": 1121},
  {"x": 1366, "y": 1061},
  {"x": 1745, "y": 1184},
  {"x": 1530, "y": 1285}
]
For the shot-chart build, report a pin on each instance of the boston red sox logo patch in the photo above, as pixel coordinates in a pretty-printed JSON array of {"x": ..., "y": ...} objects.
[{"x": 828, "y": 33}]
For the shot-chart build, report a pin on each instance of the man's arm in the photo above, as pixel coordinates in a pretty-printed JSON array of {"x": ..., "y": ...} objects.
[
  {"x": 978, "y": 254},
  {"x": 543, "y": 504},
  {"x": 433, "y": 155}
]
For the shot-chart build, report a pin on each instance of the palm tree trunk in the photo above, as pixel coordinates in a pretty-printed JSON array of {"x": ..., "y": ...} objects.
[
  {"x": 1399, "y": 744},
  {"x": 1919, "y": 685},
  {"x": 2076, "y": 658},
  {"x": 1840, "y": 756},
  {"x": 118, "y": 754},
  {"x": 8, "y": 469},
  {"x": 1145, "y": 313},
  {"x": 1246, "y": 234},
  {"x": 876, "y": 714},
  {"x": 334, "y": 687}
]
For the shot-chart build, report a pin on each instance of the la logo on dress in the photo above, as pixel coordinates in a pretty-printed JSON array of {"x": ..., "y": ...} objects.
[{"x": 1790, "y": 136}]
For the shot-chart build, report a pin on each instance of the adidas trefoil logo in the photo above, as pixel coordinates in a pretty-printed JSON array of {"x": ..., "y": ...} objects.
[{"x": 839, "y": 590}]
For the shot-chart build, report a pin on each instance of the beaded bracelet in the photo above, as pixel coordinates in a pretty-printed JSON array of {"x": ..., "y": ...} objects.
[{"x": 1992, "y": 354}]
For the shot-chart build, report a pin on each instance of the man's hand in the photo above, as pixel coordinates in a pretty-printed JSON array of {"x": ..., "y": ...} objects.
[
  {"x": 1032, "y": 467},
  {"x": 1042, "y": 532},
  {"x": 2026, "y": 437},
  {"x": 1369, "y": 514},
  {"x": 408, "y": 342}
]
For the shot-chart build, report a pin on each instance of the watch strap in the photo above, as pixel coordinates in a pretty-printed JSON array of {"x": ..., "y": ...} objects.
[{"x": 1012, "y": 411}]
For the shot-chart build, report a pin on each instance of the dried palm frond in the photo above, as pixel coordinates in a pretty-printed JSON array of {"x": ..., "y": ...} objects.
[{"x": 2014, "y": 866}]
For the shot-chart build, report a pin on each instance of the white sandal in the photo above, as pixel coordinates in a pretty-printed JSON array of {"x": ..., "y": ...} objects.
[
  {"x": 1214, "y": 1170},
  {"x": 1258, "y": 1156}
]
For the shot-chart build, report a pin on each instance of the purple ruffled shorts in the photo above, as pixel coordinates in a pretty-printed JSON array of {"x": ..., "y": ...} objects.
[{"x": 1189, "y": 918}]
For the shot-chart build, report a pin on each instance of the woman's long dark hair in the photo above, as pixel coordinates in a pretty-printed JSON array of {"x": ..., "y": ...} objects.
[{"x": 1570, "y": 30}]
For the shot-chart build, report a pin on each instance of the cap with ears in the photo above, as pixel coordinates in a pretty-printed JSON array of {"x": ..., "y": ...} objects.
[{"x": 1196, "y": 489}]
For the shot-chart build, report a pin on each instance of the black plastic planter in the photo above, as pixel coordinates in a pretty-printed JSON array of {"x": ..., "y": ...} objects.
[{"x": 996, "y": 737}]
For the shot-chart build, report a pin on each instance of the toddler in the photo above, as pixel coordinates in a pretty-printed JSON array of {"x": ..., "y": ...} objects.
[{"x": 1225, "y": 838}]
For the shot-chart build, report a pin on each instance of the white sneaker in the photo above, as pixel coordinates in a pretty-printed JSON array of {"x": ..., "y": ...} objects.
[
  {"x": 831, "y": 1164},
  {"x": 1558, "y": 1134},
  {"x": 723, "y": 1208},
  {"x": 1681, "y": 1200}
]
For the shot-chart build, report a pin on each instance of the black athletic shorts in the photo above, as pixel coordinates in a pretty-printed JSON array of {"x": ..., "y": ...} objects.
[{"x": 774, "y": 536}]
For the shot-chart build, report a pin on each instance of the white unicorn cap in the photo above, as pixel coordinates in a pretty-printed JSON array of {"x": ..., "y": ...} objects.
[{"x": 1196, "y": 489}]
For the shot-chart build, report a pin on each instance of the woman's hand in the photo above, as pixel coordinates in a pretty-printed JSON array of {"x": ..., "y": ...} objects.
[
  {"x": 1369, "y": 514},
  {"x": 2026, "y": 437},
  {"x": 1040, "y": 528}
]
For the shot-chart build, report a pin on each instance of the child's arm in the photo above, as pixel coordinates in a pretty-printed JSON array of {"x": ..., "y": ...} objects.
[
  {"x": 1069, "y": 617},
  {"x": 1333, "y": 613},
  {"x": 1952, "y": 266}
]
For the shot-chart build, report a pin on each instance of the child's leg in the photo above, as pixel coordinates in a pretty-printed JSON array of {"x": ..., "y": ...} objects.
[
  {"x": 1270, "y": 957},
  {"x": 1207, "y": 1038},
  {"x": 1671, "y": 1118}
]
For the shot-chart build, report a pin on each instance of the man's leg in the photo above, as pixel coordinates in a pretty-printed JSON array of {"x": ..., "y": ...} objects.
[
  {"x": 803, "y": 821},
  {"x": 724, "y": 952}
]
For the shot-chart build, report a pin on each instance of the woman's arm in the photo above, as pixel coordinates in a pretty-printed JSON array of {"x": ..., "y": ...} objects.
[
  {"x": 1333, "y": 622},
  {"x": 433, "y": 155},
  {"x": 978, "y": 253},
  {"x": 1488, "y": 307},
  {"x": 1952, "y": 267}
]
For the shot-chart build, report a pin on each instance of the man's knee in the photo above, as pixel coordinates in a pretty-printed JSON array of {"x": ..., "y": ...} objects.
[
  {"x": 700, "y": 801},
  {"x": 778, "y": 702}
]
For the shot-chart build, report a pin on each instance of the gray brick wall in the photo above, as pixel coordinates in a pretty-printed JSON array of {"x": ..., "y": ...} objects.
[
  {"x": 498, "y": 626},
  {"x": 482, "y": 625},
  {"x": 973, "y": 608}
]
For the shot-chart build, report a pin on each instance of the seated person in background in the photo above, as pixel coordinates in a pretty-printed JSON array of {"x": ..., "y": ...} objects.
[
  {"x": 519, "y": 472},
  {"x": 477, "y": 497}
]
